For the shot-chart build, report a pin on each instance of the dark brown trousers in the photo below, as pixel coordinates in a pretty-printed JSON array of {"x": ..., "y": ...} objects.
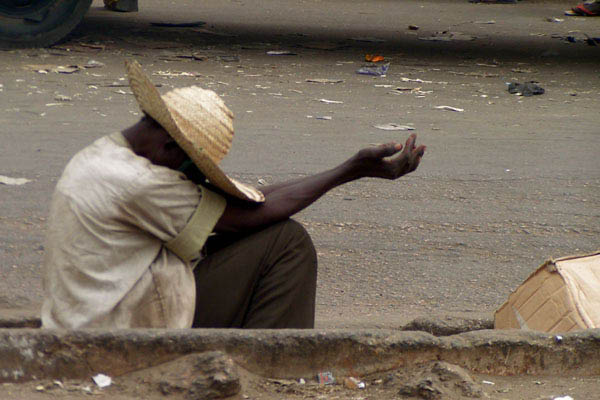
[{"x": 265, "y": 279}]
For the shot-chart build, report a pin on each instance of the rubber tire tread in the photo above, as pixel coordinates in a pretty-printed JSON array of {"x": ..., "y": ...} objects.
[{"x": 52, "y": 36}]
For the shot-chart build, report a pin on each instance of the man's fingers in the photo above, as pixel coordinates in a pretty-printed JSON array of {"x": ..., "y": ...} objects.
[
  {"x": 388, "y": 149},
  {"x": 410, "y": 142}
]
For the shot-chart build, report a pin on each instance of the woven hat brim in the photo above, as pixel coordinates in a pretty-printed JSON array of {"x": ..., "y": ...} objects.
[{"x": 151, "y": 102}]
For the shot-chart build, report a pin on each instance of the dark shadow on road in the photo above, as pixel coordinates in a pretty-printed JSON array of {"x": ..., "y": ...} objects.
[{"x": 134, "y": 33}]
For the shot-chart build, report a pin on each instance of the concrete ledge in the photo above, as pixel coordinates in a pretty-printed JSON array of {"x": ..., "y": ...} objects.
[{"x": 27, "y": 354}]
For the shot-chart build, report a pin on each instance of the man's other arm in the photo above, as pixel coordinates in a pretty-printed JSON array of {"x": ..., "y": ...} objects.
[{"x": 388, "y": 161}]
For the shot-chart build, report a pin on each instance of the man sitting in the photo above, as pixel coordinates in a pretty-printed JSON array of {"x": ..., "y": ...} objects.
[{"x": 130, "y": 236}]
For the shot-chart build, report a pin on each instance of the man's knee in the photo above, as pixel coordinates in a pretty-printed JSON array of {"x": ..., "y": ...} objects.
[{"x": 300, "y": 235}]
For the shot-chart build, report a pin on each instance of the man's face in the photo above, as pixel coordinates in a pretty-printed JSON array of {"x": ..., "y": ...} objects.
[{"x": 163, "y": 149}]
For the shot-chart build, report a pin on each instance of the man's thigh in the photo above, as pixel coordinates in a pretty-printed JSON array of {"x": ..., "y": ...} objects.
[{"x": 265, "y": 279}]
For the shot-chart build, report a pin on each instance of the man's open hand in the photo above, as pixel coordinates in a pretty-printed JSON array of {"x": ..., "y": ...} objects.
[{"x": 377, "y": 162}]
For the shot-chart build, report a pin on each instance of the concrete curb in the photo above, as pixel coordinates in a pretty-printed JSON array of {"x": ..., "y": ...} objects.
[{"x": 27, "y": 354}]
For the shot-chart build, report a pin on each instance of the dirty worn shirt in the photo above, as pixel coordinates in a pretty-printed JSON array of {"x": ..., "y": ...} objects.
[{"x": 123, "y": 237}]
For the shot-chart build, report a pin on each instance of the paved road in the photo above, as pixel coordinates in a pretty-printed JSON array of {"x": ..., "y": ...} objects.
[{"x": 505, "y": 184}]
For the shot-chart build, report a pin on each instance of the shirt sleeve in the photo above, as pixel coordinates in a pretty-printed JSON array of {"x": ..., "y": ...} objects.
[
  {"x": 173, "y": 209},
  {"x": 189, "y": 242}
]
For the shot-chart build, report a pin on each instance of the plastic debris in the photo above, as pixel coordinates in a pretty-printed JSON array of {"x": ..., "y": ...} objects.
[
  {"x": 281, "y": 53},
  {"x": 325, "y": 378},
  {"x": 563, "y": 398},
  {"x": 554, "y": 19},
  {"x": 414, "y": 80},
  {"x": 301, "y": 381},
  {"x": 488, "y": 382},
  {"x": 558, "y": 339},
  {"x": 490, "y": 22},
  {"x": 353, "y": 383},
  {"x": 62, "y": 97},
  {"x": 93, "y": 64},
  {"x": 102, "y": 380},
  {"x": 319, "y": 80},
  {"x": 449, "y": 108},
  {"x": 331, "y": 101},
  {"x": 526, "y": 89},
  {"x": 196, "y": 24},
  {"x": 374, "y": 58},
  {"x": 374, "y": 70},
  {"x": 7, "y": 180},
  {"x": 324, "y": 117},
  {"x": 394, "y": 127}
]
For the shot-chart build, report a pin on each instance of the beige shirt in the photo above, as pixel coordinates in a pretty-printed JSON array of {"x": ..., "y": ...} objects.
[{"x": 123, "y": 237}]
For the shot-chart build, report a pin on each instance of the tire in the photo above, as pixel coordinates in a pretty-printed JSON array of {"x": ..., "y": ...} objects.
[{"x": 38, "y": 23}]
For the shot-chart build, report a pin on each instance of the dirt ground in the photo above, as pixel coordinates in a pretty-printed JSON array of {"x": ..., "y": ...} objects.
[
  {"x": 505, "y": 184},
  {"x": 389, "y": 385}
]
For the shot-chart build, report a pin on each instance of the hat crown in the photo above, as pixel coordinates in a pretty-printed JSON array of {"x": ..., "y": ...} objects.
[{"x": 203, "y": 118}]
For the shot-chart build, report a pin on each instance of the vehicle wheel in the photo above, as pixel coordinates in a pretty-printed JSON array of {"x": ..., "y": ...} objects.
[{"x": 38, "y": 23}]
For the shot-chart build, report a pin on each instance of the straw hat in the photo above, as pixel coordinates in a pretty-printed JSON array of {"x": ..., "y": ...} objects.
[{"x": 200, "y": 123}]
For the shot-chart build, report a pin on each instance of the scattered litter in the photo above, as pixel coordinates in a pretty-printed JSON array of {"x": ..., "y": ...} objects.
[
  {"x": 102, "y": 380},
  {"x": 353, "y": 383},
  {"x": 323, "y": 117},
  {"x": 62, "y": 97},
  {"x": 490, "y": 22},
  {"x": 325, "y": 378},
  {"x": 92, "y": 46},
  {"x": 58, "y": 383},
  {"x": 196, "y": 24},
  {"x": 447, "y": 36},
  {"x": 563, "y": 398},
  {"x": 526, "y": 89},
  {"x": 319, "y": 80},
  {"x": 487, "y": 65},
  {"x": 558, "y": 339},
  {"x": 413, "y": 27},
  {"x": 488, "y": 382},
  {"x": 281, "y": 53},
  {"x": 301, "y": 381},
  {"x": 59, "y": 69},
  {"x": 229, "y": 58},
  {"x": 414, "y": 80},
  {"x": 394, "y": 127},
  {"x": 56, "y": 104},
  {"x": 70, "y": 69},
  {"x": 169, "y": 73},
  {"x": 368, "y": 39},
  {"x": 7, "y": 180},
  {"x": 93, "y": 64},
  {"x": 374, "y": 58},
  {"x": 40, "y": 388},
  {"x": 522, "y": 71},
  {"x": 374, "y": 70},
  {"x": 449, "y": 108},
  {"x": 331, "y": 101},
  {"x": 384, "y": 86},
  {"x": 478, "y": 74},
  {"x": 554, "y": 19},
  {"x": 121, "y": 91}
]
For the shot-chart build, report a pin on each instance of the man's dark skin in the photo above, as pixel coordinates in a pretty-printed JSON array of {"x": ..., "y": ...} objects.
[{"x": 148, "y": 139}]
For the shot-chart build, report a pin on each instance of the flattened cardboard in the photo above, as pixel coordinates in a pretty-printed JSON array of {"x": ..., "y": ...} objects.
[{"x": 562, "y": 295}]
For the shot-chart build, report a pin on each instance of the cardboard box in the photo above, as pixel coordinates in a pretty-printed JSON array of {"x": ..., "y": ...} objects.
[{"x": 562, "y": 295}]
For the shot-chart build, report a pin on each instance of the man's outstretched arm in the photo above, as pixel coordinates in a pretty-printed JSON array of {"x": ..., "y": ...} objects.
[{"x": 388, "y": 161}]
